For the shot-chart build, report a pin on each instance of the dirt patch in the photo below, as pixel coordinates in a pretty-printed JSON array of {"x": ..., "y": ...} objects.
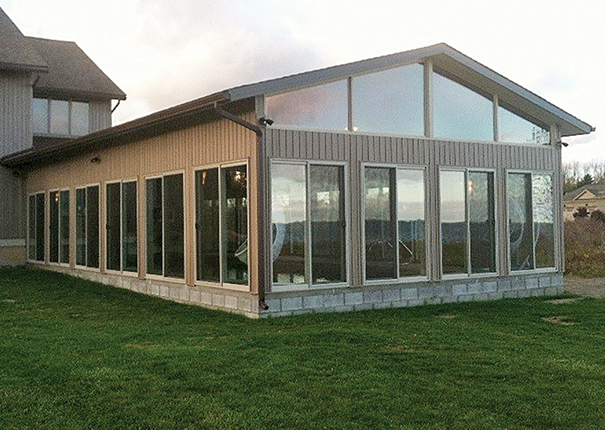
[
  {"x": 562, "y": 301},
  {"x": 561, "y": 320},
  {"x": 589, "y": 287}
]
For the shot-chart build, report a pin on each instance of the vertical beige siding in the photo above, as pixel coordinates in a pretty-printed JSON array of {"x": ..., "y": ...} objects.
[
  {"x": 15, "y": 112},
  {"x": 99, "y": 115},
  {"x": 433, "y": 154},
  {"x": 12, "y": 205},
  {"x": 210, "y": 143}
]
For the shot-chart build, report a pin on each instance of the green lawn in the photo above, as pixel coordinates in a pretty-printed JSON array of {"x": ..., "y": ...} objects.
[{"x": 79, "y": 355}]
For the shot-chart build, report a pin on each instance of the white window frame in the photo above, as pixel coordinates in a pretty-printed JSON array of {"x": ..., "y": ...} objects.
[
  {"x": 469, "y": 274},
  {"x": 29, "y": 208},
  {"x": 85, "y": 188},
  {"x": 105, "y": 201},
  {"x": 221, "y": 227},
  {"x": 398, "y": 279},
  {"x": 275, "y": 287},
  {"x": 69, "y": 116},
  {"x": 59, "y": 225},
  {"x": 162, "y": 277},
  {"x": 556, "y": 226}
]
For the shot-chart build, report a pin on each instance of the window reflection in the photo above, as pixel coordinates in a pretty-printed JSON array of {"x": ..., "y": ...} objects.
[
  {"x": 453, "y": 222},
  {"x": 520, "y": 221},
  {"x": 482, "y": 224},
  {"x": 515, "y": 129},
  {"x": 410, "y": 219},
  {"x": 543, "y": 214}
]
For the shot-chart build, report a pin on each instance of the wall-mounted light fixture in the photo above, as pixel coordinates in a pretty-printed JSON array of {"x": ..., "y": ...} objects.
[{"x": 265, "y": 121}]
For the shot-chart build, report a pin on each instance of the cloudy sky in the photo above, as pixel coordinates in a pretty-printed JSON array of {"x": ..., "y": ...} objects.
[{"x": 165, "y": 52}]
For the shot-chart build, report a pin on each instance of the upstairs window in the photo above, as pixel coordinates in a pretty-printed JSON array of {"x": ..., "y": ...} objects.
[
  {"x": 60, "y": 117},
  {"x": 516, "y": 129}
]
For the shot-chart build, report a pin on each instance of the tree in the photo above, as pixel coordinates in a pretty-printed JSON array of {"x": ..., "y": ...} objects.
[
  {"x": 598, "y": 216},
  {"x": 586, "y": 180},
  {"x": 581, "y": 212}
]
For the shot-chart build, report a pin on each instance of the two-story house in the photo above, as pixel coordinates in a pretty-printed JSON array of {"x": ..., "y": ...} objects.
[{"x": 50, "y": 92}]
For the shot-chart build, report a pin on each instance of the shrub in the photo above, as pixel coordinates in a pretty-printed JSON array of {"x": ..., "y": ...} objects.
[{"x": 585, "y": 247}]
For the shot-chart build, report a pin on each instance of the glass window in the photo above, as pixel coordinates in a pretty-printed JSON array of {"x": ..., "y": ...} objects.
[
  {"x": 92, "y": 226},
  {"x": 411, "y": 222},
  {"x": 53, "y": 252},
  {"x": 543, "y": 217},
  {"x": 453, "y": 223},
  {"x": 81, "y": 226},
  {"x": 482, "y": 224},
  {"x": 235, "y": 239},
  {"x": 520, "y": 221},
  {"x": 328, "y": 241},
  {"x": 288, "y": 214},
  {"x": 207, "y": 225},
  {"x": 31, "y": 239},
  {"x": 379, "y": 228},
  {"x": 64, "y": 229},
  {"x": 129, "y": 226},
  {"x": 79, "y": 118},
  {"x": 391, "y": 101},
  {"x": 40, "y": 115},
  {"x": 174, "y": 233},
  {"x": 323, "y": 107},
  {"x": 40, "y": 226},
  {"x": 59, "y": 117},
  {"x": 154, "y": 226},
  {"x": 114, "y": 232},
  {"x": 515, "y": 129},
  {"x": 460, "y": 113}
]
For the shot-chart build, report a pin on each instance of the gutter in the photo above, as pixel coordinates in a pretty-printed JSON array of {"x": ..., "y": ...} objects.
[{"x": 260, "y": 212}]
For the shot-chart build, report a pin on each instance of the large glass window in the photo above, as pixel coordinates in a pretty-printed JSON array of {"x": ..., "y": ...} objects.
[
  {"x": 391, "y": 101},
  {"x": 515, "y": 129},
  {"x": 323, "y": 107},
  {"x": 53, "y": 220},
  {"x": 114, "y": 226},
  {"x": 394, "y": 223},
  {"x": 531, "y": 221},
  {"x": 36, "y": 227},
  {"x": 308, "y": 222},
  {"x": 59, "y": 227},
  {"x": 468, "y": 225},
  {"x": 129, "y": 227},
  {"x": 165, "y": 226},
  {"x": 222, "y": 225},
  {"x": 459, "y": 112},
  {"x": 87, "y": 226},
  {"x": 64, "y": 227},
  {"x": 61, "y": 117}
]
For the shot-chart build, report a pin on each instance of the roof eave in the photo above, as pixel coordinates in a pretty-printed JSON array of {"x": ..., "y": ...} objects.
[{"x": 19, "y": 67}]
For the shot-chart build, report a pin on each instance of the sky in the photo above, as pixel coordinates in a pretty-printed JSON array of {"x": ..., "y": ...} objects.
[{"x": 166, "y": 52}]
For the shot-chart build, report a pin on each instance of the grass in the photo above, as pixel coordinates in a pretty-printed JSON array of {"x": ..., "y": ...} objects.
[{"x": 79, "y": 355}]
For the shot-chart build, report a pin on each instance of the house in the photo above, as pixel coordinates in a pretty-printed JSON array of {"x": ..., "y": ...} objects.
[
  {"x": 418, "y": 177},
  {"x": 50, "y": 92},
  {"x": 591, "y": 197}
]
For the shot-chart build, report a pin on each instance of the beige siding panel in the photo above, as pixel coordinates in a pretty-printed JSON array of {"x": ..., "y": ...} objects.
[
  {"x": 218, "y": 141},
  {"x": 12, "y": 205},
  {"x": 15, "y": 112},
  {"x": 99, "y": 115}
]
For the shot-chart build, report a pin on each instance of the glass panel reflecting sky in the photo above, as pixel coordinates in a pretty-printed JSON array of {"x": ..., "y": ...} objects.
[
  {"x": 453, "y": 222},
  {"x": 480, "y": 195},
  {"x": 410, "y": 218},
  {"x": 323, "y": 107},
  {"x": 59, "y": 117},
  {"x": 79, "y": 118},
  {"x": 520, "y": 221},
  {"x": 391, "y": 101},
  {"x": 40, "y": 118},
  {"x": 460, "y": 113},
  {"x": 543, "y": 213},
  {"x": 514, "y": 129}
]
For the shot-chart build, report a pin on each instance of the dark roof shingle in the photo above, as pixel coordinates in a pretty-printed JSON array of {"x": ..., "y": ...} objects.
[
  {"x": 71, "y": 71},
  {"x": 597, "y": 189},
  {"x": 16, "y": 52}
]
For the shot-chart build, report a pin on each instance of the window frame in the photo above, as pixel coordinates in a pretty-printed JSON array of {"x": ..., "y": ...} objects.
[
  {"x": 105, "y": 235},
  {"x": 162, "y": 277},
  {"x": 221, "y": 226},
  {"x": 69, "y": 116},
  {"x": 29, "y": 260},
  {"x": 85, "y": 188},
  {"x": 59, "y": 226},
  {"x": 427, "y": 268},
  {"x": 469, "y": 274},
  {"x": 556, "y": 240},
  {"x": 309, "y": 286}
]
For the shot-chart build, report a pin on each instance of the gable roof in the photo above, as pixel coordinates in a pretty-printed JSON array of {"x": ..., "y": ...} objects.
[
  {"x": 71, "y": 71},
  {"x": 16, "y": 53},
  {"x": 598, "y": 190},
  {"x": 443, "y": 56}
]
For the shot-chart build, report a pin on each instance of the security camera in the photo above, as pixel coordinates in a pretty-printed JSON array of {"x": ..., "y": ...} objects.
[{"x": 265, "y": 121}]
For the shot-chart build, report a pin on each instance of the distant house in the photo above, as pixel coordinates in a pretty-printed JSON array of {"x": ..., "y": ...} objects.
[
  {"x": 591, "y": 197},
  {"x": 418, "y": 177},
  {"x": 50, "y": 92}
]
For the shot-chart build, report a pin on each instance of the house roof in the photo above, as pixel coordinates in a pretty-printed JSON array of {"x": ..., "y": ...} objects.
[
  {"x": 16, "y": 52},
  {"x": 443, "y": 56},
  {"x": 597, "y": 191},
  {"x": 71, "y": 72}
]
